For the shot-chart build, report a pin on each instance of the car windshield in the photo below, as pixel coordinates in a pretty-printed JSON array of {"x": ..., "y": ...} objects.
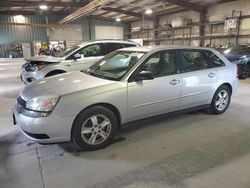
[
  {"x": 67, "y": 51},
  {"x": 238, "y": 50},
  {"x": 115, "y": 65}
]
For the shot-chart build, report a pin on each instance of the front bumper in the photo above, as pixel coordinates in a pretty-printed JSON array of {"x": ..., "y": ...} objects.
[
  {"x": 49, "y": 129},
  {"x": 29, "y": 76}
]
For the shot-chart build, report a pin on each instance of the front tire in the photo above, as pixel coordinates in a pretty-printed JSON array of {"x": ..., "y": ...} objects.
[
  {"x": 94, "y": 128},
  {"x": 221, "y": 100},
  {"x": 245, "y": 72}
]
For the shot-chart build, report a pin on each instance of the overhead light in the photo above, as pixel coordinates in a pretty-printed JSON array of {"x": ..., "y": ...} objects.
[
  {"x": 118, "y": 19},
  {"x": 148, "y": 11},
  {"x": 19, "y": 19},
  {"x": 43, "y": 7}
]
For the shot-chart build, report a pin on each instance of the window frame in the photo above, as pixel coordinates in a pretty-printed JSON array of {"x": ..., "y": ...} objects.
[
  {"x": 103, "y": 50},
  {"x": 138, "y": 69},
  {"x": 211, "y": 61},
  {"x": 210, "y": 64}
]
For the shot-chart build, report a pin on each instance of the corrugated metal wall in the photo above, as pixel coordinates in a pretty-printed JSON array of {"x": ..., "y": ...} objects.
[{"x": 21, "y": 33}]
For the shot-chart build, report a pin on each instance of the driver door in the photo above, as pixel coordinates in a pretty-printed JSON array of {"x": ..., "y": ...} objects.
[{"x": 159, "y": 95}]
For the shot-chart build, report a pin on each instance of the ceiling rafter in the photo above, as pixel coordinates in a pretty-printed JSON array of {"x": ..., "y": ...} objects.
[
  {"x": 37, "y": 3},
  {"x": 130, "y": 13},
  {"x": 90, "y": 7},
  {"x": 187, "y": 4}
]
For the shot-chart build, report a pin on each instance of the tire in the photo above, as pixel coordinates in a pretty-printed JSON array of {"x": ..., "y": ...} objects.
[
  {"x": 245, "y": 72},
  {"x": 99, "y": 125},
  {"x": 221, "y": 100}
]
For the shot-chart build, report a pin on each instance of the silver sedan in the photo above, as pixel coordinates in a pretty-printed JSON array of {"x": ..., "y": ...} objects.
[{"x": 87, "y": 107}]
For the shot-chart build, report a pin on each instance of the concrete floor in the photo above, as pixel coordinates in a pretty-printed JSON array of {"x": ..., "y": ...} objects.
[{"x": 193, "y": 150}]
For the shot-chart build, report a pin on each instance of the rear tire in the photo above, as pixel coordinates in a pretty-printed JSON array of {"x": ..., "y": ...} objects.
[
  {"x": 221, "y": 100},
  {"x": 94, "y": 128}
]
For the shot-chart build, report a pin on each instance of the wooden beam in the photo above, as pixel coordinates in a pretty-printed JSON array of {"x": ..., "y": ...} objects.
[
  {"x": 186, "y": 4},
  {"x": 31, "y": 25},
  {"x": 156, "y": 25},
  {"x": 219, "y": 2},
  {"x": 203, "y": 16},
  {"x": 171, "y": 11},
  {"x": 93, "y": 5},
  {"x": 24, "y": 12},
  {"x": 37, "y": 3},
  {"x": 130, "y": 13}
]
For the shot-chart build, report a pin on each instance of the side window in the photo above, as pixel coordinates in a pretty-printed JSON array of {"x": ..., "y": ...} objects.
[
  {"x": 129, "y": 45},
  {"x": 110, "y": 47},
  {"x": 217, "y": 62},
  {"x": 193, "y": 60},
  {"x": 161, "y": 64},
  {"x": 93, "y": 50}
]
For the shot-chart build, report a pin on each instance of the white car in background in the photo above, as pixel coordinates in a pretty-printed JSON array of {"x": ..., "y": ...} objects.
[
  {"x": 77, "y": 57},
  {"x": 87, "y": 107}
]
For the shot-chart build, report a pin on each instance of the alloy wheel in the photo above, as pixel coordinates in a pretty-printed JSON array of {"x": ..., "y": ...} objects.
[
  {"x": 222, "y": 100},
  {"x": 245, "y": 72},
  {"x": 96, "y": 129}
]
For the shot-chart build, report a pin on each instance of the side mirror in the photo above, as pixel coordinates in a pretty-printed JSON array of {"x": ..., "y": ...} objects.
[
  {"x": 144, "y": 75},
  {"x": 77, "y": 56}
]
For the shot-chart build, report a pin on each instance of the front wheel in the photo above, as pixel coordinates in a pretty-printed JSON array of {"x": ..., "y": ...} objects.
[
  {"x": 221, "y": 100},
  {"x": 245, "y": 72},
  {"x": 94, "y": 128}
]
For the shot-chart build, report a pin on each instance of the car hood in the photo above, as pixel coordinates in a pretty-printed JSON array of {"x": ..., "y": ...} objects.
[
  {"x": 62, "y": 84},
  {"x": 45, "y": 58}
]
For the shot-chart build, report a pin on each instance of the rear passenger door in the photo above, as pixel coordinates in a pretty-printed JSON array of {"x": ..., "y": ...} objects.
[{"x": 198, "y": 78}]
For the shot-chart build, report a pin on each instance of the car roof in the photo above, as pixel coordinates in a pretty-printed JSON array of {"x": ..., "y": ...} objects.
[
  {"x": 109, "y": 40},
  {"x": 159, "y": 48}
]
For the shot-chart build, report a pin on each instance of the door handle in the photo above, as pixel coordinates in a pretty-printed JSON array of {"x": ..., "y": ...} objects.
[
  {"x": 174, "y": 82},
  {"x": 68, "y": 65},
  {"x": 211, "y": 75}
]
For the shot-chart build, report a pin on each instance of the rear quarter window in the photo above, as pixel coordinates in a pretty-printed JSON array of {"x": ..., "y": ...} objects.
[{"x": 215, "y": 60}]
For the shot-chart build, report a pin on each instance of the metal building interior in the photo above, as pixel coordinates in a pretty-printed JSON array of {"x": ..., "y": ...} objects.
[{"x": 181, "y": 150}]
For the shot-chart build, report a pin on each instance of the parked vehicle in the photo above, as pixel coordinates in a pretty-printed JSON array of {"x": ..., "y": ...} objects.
[
  {"x": 240, "y": 55},
  {"x": 89, "y": 106},
  {"x": 75, "y": 58}
]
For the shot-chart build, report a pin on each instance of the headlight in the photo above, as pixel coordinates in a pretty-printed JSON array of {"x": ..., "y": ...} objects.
[
  {"x": 42, "y": 104},
  {"x": 236, "y": 62},
  {"x": 38, "y": 67}
]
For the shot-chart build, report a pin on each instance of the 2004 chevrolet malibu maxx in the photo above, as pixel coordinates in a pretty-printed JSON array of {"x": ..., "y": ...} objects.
[{"x": 87, "y": 107}]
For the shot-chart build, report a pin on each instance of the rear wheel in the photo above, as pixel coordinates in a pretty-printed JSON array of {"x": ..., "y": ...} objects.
[
  {"x": 94, "y": 128},
  {"x": 221, "y": 100},
  {"x": 245, "y": 72}
]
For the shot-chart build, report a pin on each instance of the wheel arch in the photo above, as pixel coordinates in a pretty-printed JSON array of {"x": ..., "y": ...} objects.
[
  {"x": 106, "y": 105},
  {"x": 57, "y": 71},
  {"x": 228, "y": 85}
]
